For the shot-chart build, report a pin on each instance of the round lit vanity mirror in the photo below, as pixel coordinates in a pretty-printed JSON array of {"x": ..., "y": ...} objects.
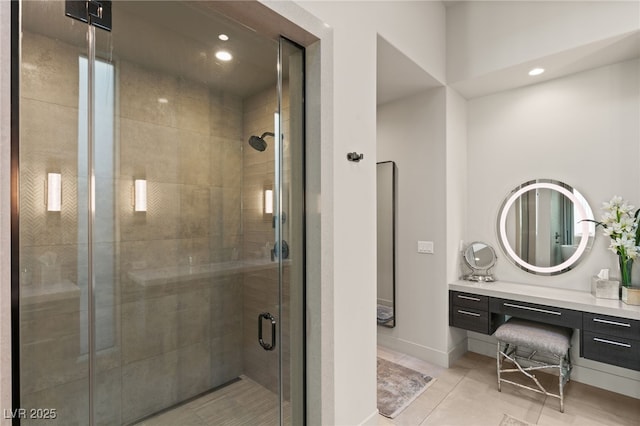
[
  {"x": 541, "y": 227},
  {"x": 479, "y": 258}
]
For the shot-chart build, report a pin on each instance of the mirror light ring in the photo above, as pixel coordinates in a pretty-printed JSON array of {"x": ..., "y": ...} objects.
[{"x": 502, "y": 228}]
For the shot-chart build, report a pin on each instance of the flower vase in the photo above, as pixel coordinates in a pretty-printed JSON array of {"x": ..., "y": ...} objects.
[
  {"x": 629, "y": 294},
  {"x": 626, "y": 266}
]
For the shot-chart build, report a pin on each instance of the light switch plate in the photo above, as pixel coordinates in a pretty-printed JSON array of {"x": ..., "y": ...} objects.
[{"x": 425, "y": 247}]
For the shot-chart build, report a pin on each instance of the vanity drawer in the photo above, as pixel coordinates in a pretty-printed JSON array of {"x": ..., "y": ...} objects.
[
  {"x": 469, "y": 300},
  {"x": 542, "y": 313},
  {"x": 469, "y": 311},
  {"x": 612, "y": 326},
  {"x": 611, "y": 350},
  {"x": 469, "y": 319}
]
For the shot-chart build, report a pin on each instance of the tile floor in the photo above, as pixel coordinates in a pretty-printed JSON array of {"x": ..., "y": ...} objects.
[
  {"x": 463, "y": 395},
  {"x": 243, "y": 402},
  {"x": 466, "y": 394}
]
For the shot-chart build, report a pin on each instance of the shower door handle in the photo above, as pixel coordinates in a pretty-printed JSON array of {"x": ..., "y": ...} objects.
[{"x": 267, "y": 346}]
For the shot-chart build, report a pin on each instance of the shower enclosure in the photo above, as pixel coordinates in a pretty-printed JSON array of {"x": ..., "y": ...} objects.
[{"x": 160, "y": 243}]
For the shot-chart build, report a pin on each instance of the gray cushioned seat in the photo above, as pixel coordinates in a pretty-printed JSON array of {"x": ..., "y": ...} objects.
[{"x": 537, "y": 336}]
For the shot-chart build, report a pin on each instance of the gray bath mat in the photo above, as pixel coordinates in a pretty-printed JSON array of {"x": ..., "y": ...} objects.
[
  {"x": 398, "y": 386},
  {"x": 385, "y": 314}
]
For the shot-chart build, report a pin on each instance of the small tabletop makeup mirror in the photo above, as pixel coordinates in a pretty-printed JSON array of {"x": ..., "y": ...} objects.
[{"x": 479, "y": 258}]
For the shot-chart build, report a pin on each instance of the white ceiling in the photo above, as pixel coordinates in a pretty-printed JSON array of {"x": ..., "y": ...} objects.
[
  {"x": 604, "y": 52},
  {"x": 180, "y": 38},
  {"x": 399, "y": 76},
  {"x": 177, "y": 38}
]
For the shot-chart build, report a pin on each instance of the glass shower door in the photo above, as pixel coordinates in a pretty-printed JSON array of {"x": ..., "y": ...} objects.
[
  {"x": 165, "y": 283},
  {"x": 289, "y": 229},
  {"x": 186, "y": 274},
  {"x": 54, "y": 359}
]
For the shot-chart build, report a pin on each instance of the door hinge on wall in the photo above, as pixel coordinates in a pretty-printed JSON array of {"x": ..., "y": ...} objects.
[{"x": 96, "y": 13}]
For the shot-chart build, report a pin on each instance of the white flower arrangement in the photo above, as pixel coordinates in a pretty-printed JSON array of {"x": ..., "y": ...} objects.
[{"x": 621, "y": 225}]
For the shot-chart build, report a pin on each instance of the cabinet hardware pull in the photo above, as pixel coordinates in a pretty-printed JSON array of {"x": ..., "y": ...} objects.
[
  {"x": 619, "y": 324},
  {"x": 473, "y": 314},
  {"x": 528, "y": 308},
  {"x": 611, "y": 342},
  {"x": 475, "y": 299}
]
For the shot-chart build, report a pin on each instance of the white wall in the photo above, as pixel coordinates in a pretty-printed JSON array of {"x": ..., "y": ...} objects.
[
  {"x": 411, "y": 132},
  {"x": 456, "y": 161},
  {"x": 426, "y": 136},
  {"x": 583, "y": 129},
  {"x": 456, "y": 199},
  {"x": 417, "y": 29},
  {"x": 485, "y": 36}
]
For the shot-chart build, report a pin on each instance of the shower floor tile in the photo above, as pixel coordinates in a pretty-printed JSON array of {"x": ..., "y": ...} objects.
[{"x": 240, "y": 403}]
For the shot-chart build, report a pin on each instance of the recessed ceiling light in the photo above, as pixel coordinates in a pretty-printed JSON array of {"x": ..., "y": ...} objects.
[
  {"x": 163, "y": 100},
  {"x": 536, "y": 71},
  {"x": 223, "y": 55},
  {"x": 223, "y": 37}
]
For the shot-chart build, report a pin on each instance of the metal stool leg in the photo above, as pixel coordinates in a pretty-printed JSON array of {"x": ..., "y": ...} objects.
[
  {"x": 561, "y": 384},
  {"x": 565, "y": 374},
  {"x": 562, "y": 364},
  {"x": 543, "y": 347},
  {"x": 499, "y": 366}
]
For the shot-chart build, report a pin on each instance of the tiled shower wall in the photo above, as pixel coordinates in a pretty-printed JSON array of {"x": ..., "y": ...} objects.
[{"x": 159, "y": 343}]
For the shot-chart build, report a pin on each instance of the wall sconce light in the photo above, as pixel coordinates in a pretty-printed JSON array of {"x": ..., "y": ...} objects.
[
  {"x": 54, "y": 192},
  {"x": 140, "y": 195},
  {"x": 268, "y": 201}
]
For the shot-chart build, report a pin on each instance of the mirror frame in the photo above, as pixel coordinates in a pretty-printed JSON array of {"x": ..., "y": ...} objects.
[
  {"x": 573, "y": 260},
  {"x": 480, "y": 274},
  {"x": 391, "y": 323}
]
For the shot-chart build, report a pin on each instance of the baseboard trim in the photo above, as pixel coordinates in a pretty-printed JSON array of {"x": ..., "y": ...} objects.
[
  {"x": 424, "y": 353},
  {"x": 604, "y": 380},
  {"x": 457, "y": 351},
  {"x": 372, "y": 420},
  {"x": 596, "y": 374},
  {"x": 482, "y": 344}
]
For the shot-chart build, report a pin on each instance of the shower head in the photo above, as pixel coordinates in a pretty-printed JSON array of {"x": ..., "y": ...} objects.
[{"x": 258, "y": 143}]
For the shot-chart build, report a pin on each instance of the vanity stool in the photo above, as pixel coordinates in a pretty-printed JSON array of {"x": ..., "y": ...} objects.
[{"x": 537, "y": 346}]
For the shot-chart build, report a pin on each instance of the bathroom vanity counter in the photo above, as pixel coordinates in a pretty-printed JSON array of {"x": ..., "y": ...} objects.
[
  {"x": 147, "y": 277},
  {"x": 555, "y": 297},
  {"x": 609, "y": 329}
]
